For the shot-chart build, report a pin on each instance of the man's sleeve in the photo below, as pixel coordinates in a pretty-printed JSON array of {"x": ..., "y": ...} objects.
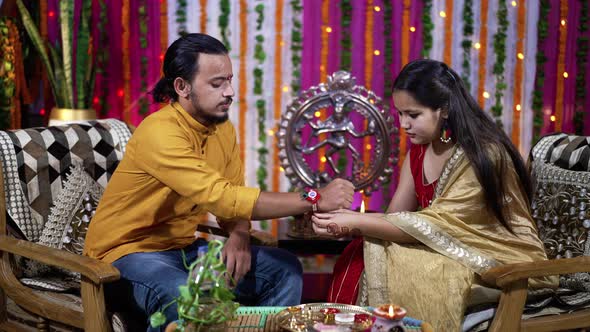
[
  {"x": 168, "y": 155},
  {"x": 234, "y": 171}
]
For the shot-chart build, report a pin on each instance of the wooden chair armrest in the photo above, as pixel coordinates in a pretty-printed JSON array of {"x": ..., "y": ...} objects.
[
  {"x": 507, "y": 274},
  {"x": 97, "y": 271},
  {"x": 258, "y": 238}
]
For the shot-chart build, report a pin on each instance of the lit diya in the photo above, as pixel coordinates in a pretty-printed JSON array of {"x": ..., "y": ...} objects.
[{"x": 389, "y": 318}]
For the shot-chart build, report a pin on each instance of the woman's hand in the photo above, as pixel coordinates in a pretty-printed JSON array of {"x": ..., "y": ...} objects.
[{"x": 337, "y": 224}]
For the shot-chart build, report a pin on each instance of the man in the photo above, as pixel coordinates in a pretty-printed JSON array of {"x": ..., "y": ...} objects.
[{"x": 180, "y": 162}]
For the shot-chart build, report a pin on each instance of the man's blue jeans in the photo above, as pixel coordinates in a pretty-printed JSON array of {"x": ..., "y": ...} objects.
[{"x": 150, "y": 280}]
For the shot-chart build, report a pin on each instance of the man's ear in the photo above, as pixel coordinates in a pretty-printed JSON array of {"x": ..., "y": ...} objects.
[{"x": 182, "y": 88}]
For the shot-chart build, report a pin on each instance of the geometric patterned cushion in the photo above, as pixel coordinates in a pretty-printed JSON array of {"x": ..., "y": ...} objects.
[
  {"x": 561, "y": 210},
  {"x": 565, "y": 151},
  {"x": 66, "y": 230},
  {"x": 35, "y": 162},
  {"x": 72, "y": 212}
]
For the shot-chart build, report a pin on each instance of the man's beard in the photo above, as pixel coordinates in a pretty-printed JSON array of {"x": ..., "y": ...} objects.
[{"x": 210, "y": 118}]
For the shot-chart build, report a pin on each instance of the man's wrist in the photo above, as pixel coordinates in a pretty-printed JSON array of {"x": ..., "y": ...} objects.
[{"x": 313, "y": 196}]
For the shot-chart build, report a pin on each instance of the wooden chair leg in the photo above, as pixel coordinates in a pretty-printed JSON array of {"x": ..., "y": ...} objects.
[
  {"x": 95, "y": 316},
  {"x": 509, "y": 313},
  {"x": 3, "y": 307}
]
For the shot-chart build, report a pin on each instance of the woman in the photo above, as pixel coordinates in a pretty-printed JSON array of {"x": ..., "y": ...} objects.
[{"x": 461, "y": 207}]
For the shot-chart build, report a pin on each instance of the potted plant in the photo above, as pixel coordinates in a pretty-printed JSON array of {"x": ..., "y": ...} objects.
[
  {"x": 205, "y": 302},
  {"x": 72, "y": 87}
]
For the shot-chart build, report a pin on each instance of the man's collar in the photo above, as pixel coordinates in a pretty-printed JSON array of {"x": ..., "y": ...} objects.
[{"x": 193, "y": 123}]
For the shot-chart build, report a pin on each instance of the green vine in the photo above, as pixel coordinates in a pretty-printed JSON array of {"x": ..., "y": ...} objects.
[
  {"x": 427, "y": 27},
  {"x": 260, "y": 56},
  {"x": 224, "y": 22},
  {"x": 296, "y": 46},
  {"x": 102, "y": 59},
  {"x": 541, "y": 58},
  {"x": 581, "y": 64},
  {"x": 144, "y": 106},
  {"x": 500, "y": 51},
  {"x": 388, "y": 81},
  {"x": 345, "y": 63},
  {"x": 195, "y": 298},
  {"x": 346, "y": 39},
  {"x": 181, "y": 17},
  {"x": 7, "y": 72},
  {"x": 467, "y": 43}
]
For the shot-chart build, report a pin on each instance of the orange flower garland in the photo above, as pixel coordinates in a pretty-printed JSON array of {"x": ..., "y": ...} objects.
[
  {"x": 370, "y": 13},
  {"x": 126, "y": 65},
  {"x": 563, "y": 9},
  {"x": 447, "y": 57},
  {"x": 163, "y": 29},
  {"x": 243, "y": 107},
  {"x": 277, "y": 99},
  {"x": 483, "y": 40},
  {"x": 203, "y": 18},
  {"x": 518, "y": 72}
]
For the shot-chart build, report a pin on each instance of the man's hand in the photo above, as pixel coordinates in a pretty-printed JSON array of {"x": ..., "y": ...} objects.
[
  {"x": 336, "y": 195},
  {"x": 236, "y": 251}
]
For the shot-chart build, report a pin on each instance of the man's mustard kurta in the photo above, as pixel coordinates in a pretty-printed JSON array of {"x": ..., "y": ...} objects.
[{"x": 173, "y": 170}]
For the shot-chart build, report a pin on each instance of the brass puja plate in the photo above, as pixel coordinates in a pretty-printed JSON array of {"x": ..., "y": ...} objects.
[{"x": 303, "y": 317}]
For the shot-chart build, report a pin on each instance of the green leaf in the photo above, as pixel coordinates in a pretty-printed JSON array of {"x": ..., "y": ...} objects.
[
  {"x": 83, "y": 59},
  {"x": 185, "y": 293},
  {"x": 66, "y": 24},
  {"x": 157, "y": 319},
  {"x": 38, "y": 43}
]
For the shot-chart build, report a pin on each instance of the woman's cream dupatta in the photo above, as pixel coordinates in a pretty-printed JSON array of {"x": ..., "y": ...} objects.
[{"x": 459, "y": 239}]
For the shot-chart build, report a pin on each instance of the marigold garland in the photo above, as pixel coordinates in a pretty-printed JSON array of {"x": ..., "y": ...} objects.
[
  {"x": 126, "y": 65},
  {"x": 242, "y": 85},
  {"x": 541, "y": 58},
  {"x": 369, "y": 46},
  {"x": 563, "y": 31},
  {"x": 500, "y": 52},
  {"x": 483, "y": 40},
  {"x": 163, "y": 29},
  {"x": 277, "y": 95},
  {"x": 518, "y": 73},
  {"x": 466, "y": 44},
  {"x": 583, "y": 44},
  {"x": 203, "y": 16},
  {"x": 447, "y": 55}
]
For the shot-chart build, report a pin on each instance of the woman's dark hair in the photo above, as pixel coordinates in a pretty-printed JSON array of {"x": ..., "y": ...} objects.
[
  {"x": 182, "y": 60},
  {"x": 433, "y": 84}
]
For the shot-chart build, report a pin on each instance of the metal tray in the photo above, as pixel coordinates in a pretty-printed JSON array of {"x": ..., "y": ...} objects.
[{"x": 308, "y": 314}]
